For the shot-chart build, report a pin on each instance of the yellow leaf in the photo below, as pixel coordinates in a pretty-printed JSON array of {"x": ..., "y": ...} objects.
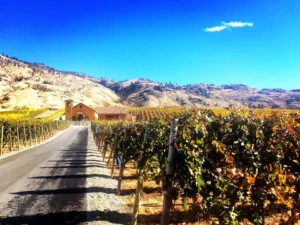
[
  {"x": 289, "y": 205},
  {"x": 282, "y": 178},
  {"x": 251, "y": 180},
  {"x": 229, "y": 159},
  {"x": 285, "y": 217}
]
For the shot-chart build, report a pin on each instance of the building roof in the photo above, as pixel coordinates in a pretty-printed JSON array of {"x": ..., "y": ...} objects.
[
  {"x": 111, "y": 110},
  {"x": 84, "y": 105}
]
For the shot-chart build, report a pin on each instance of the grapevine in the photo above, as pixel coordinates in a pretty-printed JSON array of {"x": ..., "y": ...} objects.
[{"x": 238, "y": 167}]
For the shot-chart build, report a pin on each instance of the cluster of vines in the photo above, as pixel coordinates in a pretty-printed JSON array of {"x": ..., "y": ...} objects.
[
  {"x": 149, "y": 114},
  {"x": 17, "y": 133},
  {"x": 21, "y": 114},
  {"x": 234, "y": 168}
]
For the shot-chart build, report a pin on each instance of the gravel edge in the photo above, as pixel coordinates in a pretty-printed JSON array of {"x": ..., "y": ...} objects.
[{"x": 107, "y": 202}]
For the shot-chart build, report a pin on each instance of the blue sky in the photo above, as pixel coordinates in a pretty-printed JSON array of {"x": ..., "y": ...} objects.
[{"x": 256, "y": 43}]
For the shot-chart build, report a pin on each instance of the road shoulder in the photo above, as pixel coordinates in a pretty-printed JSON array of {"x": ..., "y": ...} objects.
[{"x": 106, "y": 201}]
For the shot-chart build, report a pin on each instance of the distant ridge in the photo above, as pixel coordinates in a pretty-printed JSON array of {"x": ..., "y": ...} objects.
[{"x": 35, "y": 85}]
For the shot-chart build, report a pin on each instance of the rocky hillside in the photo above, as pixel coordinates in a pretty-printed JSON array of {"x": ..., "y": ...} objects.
[
  {"x": 36, "y": 85},
  {"x": 143, "y": 92}
]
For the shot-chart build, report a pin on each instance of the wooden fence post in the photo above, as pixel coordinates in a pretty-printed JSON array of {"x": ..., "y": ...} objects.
[
  {"x": 98, "y": 142},
  {"x": 1, "y": 140},
  {"x": 49, "y": 132},
  {"x": 104, "y": 150},
  {"x": 56, "y": 127},
  {"x": 18, "y": 138},
  {"x": 167, "y": 198},
  {"x": 10, "y": 140},
  {"x": 100, "y": 146},
  {"x": 113, "y": 163},
  {"x": 112, "y": 150},
  {"x": 30, "y": 136},
  {"x": 52, "y": 130},
  {"x": 122, "y": 167},
  {"x": 40, "y": 133},
  {"x": 137, "y": 197},
  {"x": 25, "y": 138},
  {"x": 43, "y": 133},
  {"x": 35, "y": 137},
  {"x": 46, "y": 133},
  {"x": 139, "y": 185},
  {"x": 121, "y": 172}
]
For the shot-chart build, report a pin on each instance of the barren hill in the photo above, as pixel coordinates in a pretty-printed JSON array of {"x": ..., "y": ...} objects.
[
  {"x": 30, "y": 85},
  {"x": 34, "y": 85},
  {"x": 143, "y": 92}
]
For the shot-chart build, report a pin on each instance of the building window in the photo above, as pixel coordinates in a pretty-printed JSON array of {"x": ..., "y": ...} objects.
[
  {"x": 80, "y": 106},
  {"x": 87, "y": 118}
]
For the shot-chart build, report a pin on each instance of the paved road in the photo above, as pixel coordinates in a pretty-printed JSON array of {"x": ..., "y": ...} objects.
[{"x": 46, "y": 185}]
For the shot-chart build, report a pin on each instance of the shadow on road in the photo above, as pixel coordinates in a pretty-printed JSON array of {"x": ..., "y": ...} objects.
[
  {"x": 77, "y": 151},
  {"x": 63, "y": 191},
  {"x": 67, "y": 191},
  {"x": 79, "y": 176},
  {"x": 146, "y": 190},
  {"x": 66, "y": 167},
  {"x": 74, "y": 160},
  {"x": 82, "y": 190},
  {"x": 82, "y": 163},
  {"x": 79, "y": 155},
  {"x": 70, "y": 218}
]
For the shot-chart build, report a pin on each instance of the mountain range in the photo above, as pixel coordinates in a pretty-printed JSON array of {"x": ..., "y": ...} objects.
[{"x": 35, "y": 85}]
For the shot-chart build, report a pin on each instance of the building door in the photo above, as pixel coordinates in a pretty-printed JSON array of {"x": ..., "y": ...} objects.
[{"x": 80, "y": 117}]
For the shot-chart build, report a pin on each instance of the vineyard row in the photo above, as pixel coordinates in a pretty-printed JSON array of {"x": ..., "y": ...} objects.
[
  {"x": 228, "y": 169},
  {"x": 143, "y": 114},
  {"x": 18, "y": 134}
]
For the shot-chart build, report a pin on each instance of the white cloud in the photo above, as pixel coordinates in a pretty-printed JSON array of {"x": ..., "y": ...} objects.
[
  {"x": 214, "y": 29},
  {"x": 238, "y": 24},
  {"x": 225, "y": 25}
]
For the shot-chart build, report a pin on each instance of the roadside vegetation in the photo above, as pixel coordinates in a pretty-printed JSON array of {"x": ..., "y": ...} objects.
[{"x": 23, "y": 113}]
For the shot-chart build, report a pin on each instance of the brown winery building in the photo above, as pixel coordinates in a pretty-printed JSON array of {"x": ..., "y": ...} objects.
[{"x": 82, "y": 112}]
